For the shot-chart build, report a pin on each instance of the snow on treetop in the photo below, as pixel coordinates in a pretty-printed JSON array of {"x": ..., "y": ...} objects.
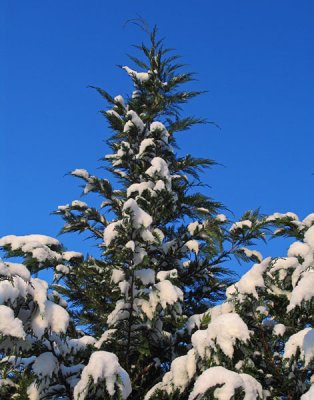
[
  {"x": 135, "y": 120},
  {"x": 10, "y": 269},
  {"x": 9, "y": 325},
  {"x": 221, "y": 218},
  {"x": 56, "y": 318},
  {"x": 45, "y": 365},
  {"x": 105, "y": 337},
  {"x": 182, "y": 371},
  {"x": 163, "y": 293},
  {"x": 119, "y": 100},
  {"x": 124, "y": 287},
  {"x": 139, "y": 76},
  {"x": 202, "y": 209},
  {"x": 304, "y": 290},
  {"x": 157, "y": 126},
  {"x": 110, "y": 232},
  {"x": 80, "y": 173},
  {"x": 17, "y": 242},
  {"x": 250, "y": 253},
  {"x": 145, "y": 143},
  {"x": 294, "y": 343},
  {"x": 140, "y": 188},
  {"x": 250, "y": 281},
  {"x": 227, "y": 382},
  {"x": 308, "y": 347},
  {"x": 162, "y": 275},
  {"x": 119, "y": 313},
  {"x": 192, "y": 245},
  {"x": 113, "y": 112},
  {"x": 220, "y": 309},
  {"x": 117, "y": 275},
  {"x": 194, "y": 226},
  {"x": 103, "y": 366},
  {"x": 278, "y": 215},
  {"x": 136, "y": 94},
  {"x": 77, "y": 345},
  {"x": 78, "y": 203},
  {"x": 17, "y": 361},
  {"x": 69, "y": 255},
  {"x": 11, "y": 289},
  {"x": 38, "y": 289},
  {"x": 139, "y": 254},
  {"x": 195, "y": 320},
  {"x": 148, "y": 236},
  {"x": 64, "y": 207},
  {"x": 299, "y": 249},
  {"x": 223, "y": 331},
  {"x": 159, "y": 186},
  {"x": 281, "y": 264},
  {"x": 279, "y": 329},
  {"x": 159, "y": 234},
  {"x": 309, "y": 220},
  {"x": 145, "y": 275},
  {"x": 140, "y": 218},
  {"x": 64, "y": 269},
  {"x": 48, "y": 315},
  {"x": 309, "y": 237},
  {"x": 158, "y": 166},
  {"x": 37, "y": 245},
  {"x": 240, "y": 225},
  {"x": 130, "y": 245}
]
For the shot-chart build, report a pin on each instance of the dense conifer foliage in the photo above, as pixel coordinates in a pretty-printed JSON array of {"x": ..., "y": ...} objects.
[{"x": 157, "y": 314}]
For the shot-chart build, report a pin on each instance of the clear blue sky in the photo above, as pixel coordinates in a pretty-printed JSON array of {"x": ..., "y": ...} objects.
[{"x": 256, "y": 59}]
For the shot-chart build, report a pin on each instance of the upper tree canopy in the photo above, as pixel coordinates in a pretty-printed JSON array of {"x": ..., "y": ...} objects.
[{"x": 132, "y": 311}]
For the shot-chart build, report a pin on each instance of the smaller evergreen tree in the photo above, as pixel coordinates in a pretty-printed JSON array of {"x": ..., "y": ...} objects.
[
  {"x": 259, "y": 343},
  {"x": 43, "y": 354}
]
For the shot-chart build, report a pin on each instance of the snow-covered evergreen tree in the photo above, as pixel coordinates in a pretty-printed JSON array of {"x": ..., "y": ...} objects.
[
  {"x": 42, "y": 354},
  {"x": 259, "y": 343},
  {"x": 129, "y": 329}
]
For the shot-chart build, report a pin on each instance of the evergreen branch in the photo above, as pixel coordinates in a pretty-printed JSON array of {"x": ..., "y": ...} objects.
[
  {"x": 138, "y": 62},
  {"x": 184, "y": 124},
  {"x": 103, "y": 93}
]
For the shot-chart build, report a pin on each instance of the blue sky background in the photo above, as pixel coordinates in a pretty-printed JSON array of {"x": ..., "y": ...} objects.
[{"x": 255, "y": 58}]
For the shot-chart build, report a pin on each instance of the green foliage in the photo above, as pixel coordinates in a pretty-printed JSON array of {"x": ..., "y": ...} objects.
[{"x": 153, "y": 227}]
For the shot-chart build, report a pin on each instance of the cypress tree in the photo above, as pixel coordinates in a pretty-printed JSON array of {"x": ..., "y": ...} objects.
[{"x": 125, "y": 328}]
